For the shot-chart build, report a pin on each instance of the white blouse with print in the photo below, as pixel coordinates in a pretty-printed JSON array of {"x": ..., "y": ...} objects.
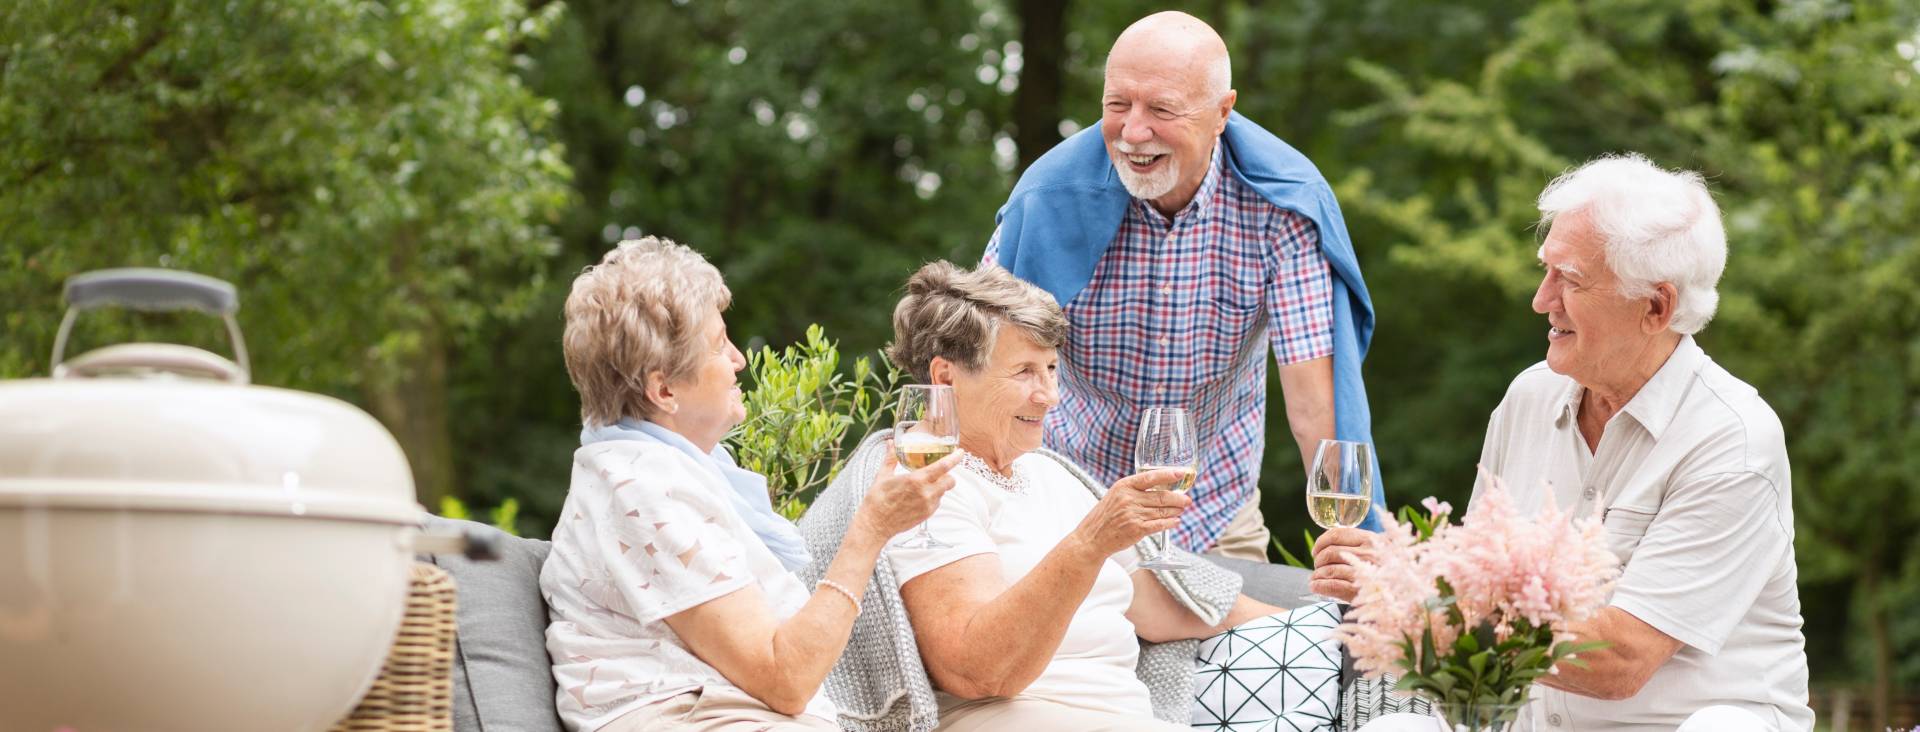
[{"x": 646, "y": 533}]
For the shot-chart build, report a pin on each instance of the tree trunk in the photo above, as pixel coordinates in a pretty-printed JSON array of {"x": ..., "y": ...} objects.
[
  {"x": 1036, "y": 104},
  {"x": 410, "y": 399},
  {"x": 1879, "y": 634}
]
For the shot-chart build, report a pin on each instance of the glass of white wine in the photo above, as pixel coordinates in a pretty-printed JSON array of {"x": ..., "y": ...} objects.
[
  {"x": 1339, "y": 489},
  {"x": 926, "y": 428},
  {"x": 1166, "y": 442}
]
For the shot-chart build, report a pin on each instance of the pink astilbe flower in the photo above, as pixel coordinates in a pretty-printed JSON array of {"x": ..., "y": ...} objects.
[
  {"x": 1395, "y": 590},
  {"x": 1549, "y": 571}
]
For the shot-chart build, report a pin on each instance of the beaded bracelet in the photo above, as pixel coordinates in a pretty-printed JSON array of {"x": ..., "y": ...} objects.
[{"x": 842, "y": 589}]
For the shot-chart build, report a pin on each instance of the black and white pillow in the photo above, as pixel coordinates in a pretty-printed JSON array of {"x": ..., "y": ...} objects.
[{"x": 1279, "y": 673}]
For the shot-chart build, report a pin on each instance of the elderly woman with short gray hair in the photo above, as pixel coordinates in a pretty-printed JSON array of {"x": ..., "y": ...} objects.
[
  {"x": 1030, "y": 618},
  {"x": 671, "y": 587}
]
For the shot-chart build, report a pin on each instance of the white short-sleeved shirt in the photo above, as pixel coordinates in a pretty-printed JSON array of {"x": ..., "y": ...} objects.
[
  {"x": 1093, "y": 668},
  {"x": 1692, "y": 478},
  {"x": 646, "y": 533}
]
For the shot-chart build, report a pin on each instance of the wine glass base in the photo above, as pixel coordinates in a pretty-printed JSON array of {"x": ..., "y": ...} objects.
[{"x": 1165, "y": 563}]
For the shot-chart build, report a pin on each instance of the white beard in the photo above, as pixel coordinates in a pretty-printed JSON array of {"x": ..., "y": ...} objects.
[{"x": 1147, "y": 186}]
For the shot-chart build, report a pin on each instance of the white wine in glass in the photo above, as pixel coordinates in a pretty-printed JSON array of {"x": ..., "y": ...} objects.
[
  {"x": 917, "y": 451},
  {"x": 1333, "y": 509},
  {"x": 1166, "y": 441},
  {"x": 926, "y": 428},
  {"x": 1180, "y": 486},
  {"x": 1339, "y": 489}
]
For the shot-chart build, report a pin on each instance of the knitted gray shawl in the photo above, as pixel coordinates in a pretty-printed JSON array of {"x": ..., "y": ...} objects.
[{"x": 879, "y": 683}]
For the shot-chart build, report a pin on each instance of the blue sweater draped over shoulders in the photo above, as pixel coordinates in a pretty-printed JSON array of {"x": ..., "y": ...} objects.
[{"x": 1068, "y": 206}]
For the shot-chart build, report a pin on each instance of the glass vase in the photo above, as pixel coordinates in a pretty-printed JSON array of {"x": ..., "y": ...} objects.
[{"x": 1478, "y": 716}]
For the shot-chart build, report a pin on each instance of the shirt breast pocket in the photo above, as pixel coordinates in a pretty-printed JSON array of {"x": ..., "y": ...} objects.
[
  {"x": 1222, "y": 337},
  {"x": 1625, "y": 527}
]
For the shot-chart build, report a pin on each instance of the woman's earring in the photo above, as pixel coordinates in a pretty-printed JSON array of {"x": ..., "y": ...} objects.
[{"x": 673, "y": 408}]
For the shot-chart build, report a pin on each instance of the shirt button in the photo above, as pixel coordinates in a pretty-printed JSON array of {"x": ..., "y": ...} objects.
[
  {"x": 1166, "y": 289},
  {"x": 1553, "y": 719},
  {"x": 1588, "y": 493},
  {"x": 1165, "y": 341},
  {"x": 1159, "y": 390}
]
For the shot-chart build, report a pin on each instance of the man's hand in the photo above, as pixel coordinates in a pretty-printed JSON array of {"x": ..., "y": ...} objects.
[{"x": 1332, "y": 573}]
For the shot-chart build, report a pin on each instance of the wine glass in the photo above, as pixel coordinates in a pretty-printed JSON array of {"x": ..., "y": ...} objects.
[
  {"x": 926, "y": 428},
  {"x": 1166, "y": 442},
  {"x": 1339, "y": 489}
]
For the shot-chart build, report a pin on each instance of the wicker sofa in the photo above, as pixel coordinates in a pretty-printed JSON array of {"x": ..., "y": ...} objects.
[{"x": 501, "y": 677}]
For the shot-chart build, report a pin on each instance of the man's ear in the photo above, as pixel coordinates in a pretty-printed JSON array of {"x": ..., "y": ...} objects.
[
  {"x": 1660, "y": 307},
  {"x": 1226, "y": 109},
  {"x": 940, "y": 371}
]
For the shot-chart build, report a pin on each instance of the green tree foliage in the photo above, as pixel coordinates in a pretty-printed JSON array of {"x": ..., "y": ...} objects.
[
  {"x": 380, "y": 186},
  {"x": 824, "y": 148},
  {"x": 817, "y": 153},
  {"x": 371, "y": 174}
]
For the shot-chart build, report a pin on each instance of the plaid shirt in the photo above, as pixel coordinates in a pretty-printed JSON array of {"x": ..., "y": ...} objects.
[{"x": 1174, "y": 316}]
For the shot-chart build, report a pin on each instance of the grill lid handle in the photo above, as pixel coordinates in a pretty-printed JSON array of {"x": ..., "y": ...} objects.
[{"x": 151, "y": 290}]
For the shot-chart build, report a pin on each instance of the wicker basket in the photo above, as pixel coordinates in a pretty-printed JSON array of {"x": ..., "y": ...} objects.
[{"x": 414, "y": 692}]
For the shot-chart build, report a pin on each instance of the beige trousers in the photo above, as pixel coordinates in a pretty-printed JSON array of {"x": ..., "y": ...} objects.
[
  {"x": 1246, "y": 536},
  {"x": 1020, "y": 714},
  {"x": 713, "y": 709}
]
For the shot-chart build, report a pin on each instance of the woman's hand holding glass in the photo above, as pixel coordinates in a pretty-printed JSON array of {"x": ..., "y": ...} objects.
[
  {"x": 898, "y": 502},
  {"x": 1166, "y": 440},
  {"x": 926, "y": 429},
  {"x": 1138, "y": 506}
]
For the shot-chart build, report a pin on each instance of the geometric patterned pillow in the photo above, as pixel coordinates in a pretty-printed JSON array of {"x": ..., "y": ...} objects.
[{"x": 1279, "y": 673}]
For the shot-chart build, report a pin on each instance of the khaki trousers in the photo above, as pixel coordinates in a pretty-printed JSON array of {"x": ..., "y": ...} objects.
[
  {"x": 1246, "y": 536},
  {"x": 714, "y": 709},
  {"x": 1020, "y": 714}
]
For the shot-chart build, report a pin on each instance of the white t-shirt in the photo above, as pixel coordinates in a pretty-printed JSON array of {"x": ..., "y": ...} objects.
[
  {"x": 1093, "y": 668},
  {"x": 645, "y": 533},
  {"x": 1693, "y": 481}
]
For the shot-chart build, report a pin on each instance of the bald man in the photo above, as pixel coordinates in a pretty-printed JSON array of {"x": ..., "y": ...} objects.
[{"x": 1183, "y": 240}]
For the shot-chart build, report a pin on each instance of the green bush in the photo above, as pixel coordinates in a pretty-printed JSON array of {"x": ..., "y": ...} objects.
[
  {"x": 799, "y": 413},
  {"x": 505, "y": 517}
]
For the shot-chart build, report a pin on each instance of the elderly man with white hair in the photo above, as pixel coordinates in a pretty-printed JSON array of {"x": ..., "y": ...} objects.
[
  {"x": 1628, "y": 418},
  {"x": 1183, "y": 242}
]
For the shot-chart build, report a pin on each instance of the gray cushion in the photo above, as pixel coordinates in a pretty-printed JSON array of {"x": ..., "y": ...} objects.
[
  {"x": 1273, "y": 584},
  {"x": 502, "y": 677}
]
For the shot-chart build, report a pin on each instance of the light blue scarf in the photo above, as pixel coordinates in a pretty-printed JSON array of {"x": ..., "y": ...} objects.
[{"x": 748, "y": 497}]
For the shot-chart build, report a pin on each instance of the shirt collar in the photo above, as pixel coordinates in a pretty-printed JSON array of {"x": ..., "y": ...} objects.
[
  {"x": 1655, "y": 405},
  {"x": 1202, "y": 203}
]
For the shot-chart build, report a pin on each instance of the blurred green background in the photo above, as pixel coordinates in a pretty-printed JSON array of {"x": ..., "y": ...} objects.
[{"x": 402, "y": 190}]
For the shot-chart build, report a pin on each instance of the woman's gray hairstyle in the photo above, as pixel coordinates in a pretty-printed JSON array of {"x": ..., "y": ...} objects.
[
  {"x": 639, "y": 311},
  {"x": 956, "y": 314},
  {"x": 1656, "y": 226}
]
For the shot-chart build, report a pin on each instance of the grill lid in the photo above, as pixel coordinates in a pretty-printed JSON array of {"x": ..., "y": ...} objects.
[{"x": 174, "y": 428}]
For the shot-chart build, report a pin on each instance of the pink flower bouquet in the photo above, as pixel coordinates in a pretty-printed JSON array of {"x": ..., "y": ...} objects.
[{"x": 1470, "y": 615}]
